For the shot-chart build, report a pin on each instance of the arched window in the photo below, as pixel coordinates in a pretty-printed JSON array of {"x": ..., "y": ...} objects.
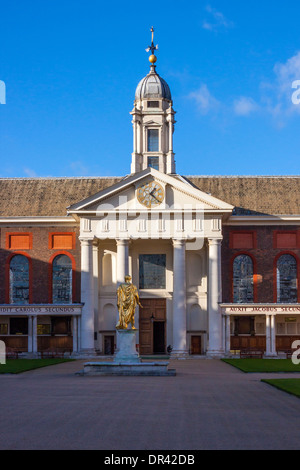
[
  {"x": 287, "y": 279},
  {"x": 61, "y": 280},
  {"x": 243, "y": 291},
  {"x": 19, "y": 280}
]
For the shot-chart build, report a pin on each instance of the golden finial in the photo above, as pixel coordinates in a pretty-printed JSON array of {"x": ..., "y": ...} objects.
[{"x": 152, "y": 48}]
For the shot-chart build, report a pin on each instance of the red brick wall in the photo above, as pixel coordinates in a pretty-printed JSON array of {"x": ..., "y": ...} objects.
[
  {"x": 264, "y": 252},
  {"x": 40, "y": 255}
]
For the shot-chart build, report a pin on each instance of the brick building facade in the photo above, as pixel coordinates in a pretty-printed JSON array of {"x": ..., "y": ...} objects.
[{"x": 216, "y": 259}]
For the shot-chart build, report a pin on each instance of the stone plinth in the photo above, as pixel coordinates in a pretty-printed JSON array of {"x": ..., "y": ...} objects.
[
  {"x": 115, "y": 368},
  {"x": 126, "y": 340},
  {"x": 127, "y": 361}
]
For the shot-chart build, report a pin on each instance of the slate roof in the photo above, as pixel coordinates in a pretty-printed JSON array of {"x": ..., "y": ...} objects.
[{"x": 251, "y": 195}]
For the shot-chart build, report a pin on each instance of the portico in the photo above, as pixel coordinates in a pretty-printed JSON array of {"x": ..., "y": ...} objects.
[{"x": 172, "y": 252}]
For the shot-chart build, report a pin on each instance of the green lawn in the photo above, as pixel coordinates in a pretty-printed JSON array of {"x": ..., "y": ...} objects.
[
  {"x": 15, "y": 366},
  {"x": 287, "y": 385},
  {"x": 264, "y": 365}
]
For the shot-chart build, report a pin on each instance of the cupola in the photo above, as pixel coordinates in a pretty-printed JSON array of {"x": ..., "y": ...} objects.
[{"x": 153, "y": 122}]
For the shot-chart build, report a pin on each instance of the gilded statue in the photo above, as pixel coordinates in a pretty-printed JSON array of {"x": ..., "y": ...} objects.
[{"x": 128, "y": 299}]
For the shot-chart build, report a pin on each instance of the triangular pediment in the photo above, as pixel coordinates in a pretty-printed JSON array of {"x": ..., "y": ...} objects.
[{"x": 176, "y": 192}]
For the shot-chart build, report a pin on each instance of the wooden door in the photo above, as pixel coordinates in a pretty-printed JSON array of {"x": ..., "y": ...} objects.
[
  {"x": 109, "y": 345},
  {"x": 154, "y": 310},
  {"x": 195, "y": 344}
]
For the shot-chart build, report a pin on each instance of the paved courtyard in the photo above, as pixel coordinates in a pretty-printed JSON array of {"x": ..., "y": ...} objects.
[{"x": 208, "y": 405}]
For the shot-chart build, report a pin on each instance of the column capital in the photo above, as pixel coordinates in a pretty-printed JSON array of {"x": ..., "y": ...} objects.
[
  {"x": 215, "y": 241},
  {"x": 179, "y": 242},
  {"x": 122, "y": 241},
  {"x": 86, "y": 241}
]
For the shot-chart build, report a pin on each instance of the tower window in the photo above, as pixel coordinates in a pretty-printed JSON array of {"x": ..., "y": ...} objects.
[
  {"x": 153, "y": 163},
  {"x": 152, "y": 104},
  {"x": 152, "y": 140}
]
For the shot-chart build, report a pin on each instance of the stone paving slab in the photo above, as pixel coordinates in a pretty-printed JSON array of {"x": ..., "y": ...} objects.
[{"x": 207, "y": 405}]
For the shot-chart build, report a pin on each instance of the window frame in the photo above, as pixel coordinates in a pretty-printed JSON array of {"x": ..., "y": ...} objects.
[
  {"x": 254, "y": 264},
  {"x": 165, "y": 271},
  {"x": 158, "y": 139},
  {"x": 286, "y": 252},
  {"x": 50, "y": 274},
  {"x": 7, "y": 276},
  {"x": 151, "y": 157}
]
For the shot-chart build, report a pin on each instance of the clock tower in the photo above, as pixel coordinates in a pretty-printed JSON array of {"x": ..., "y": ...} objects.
[{"x": 153, "y": 122}]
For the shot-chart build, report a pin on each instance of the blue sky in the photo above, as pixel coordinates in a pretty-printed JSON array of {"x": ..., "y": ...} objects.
[{"x": 71, "y": 68}]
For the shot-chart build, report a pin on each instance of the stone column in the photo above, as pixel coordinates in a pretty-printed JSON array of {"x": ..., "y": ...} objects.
[
  {"x": 34, "y": 334},
  {"x": 170, "y": 136},
  {"x": 30, "y": 334},
  {"x": 273, "y": 335},
  {"x": 227, "y": 334},
  {"x": 179, "y": 298},
  {"x": 78, "y": 333},
  {"x": 87, "y": 296},
  {"x": 268, "y": 336},
  {"x": 135, "y": 164},
  {"x": 122, "y": 269},
  {"x": 75, "y": 338},
  {"x": 135, "y": 131},
  {"x": 122, "y": 260},
  {"x": 96, "y": 268},
  {"x": 214, "y": 297}
]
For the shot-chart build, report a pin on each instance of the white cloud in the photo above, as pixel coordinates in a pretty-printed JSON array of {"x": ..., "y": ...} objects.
[
  {"x": 204, "y": 100},
  {"x": 30, "y": 173},
  {"x": 244, "y": 106},
  {"x": 286, "y": 74},
  {"x": 216, "y": 20},
  {"x": 277, "y": 96},
  {"x": 79, "y": 168}
]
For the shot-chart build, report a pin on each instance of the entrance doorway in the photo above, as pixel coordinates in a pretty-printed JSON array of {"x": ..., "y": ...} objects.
[
  {"x": 195, "y": 344},
  {"x": 159, "y": 345},
  {"x": 109, "y": 348},
  {"x": 152, "y": 326}
]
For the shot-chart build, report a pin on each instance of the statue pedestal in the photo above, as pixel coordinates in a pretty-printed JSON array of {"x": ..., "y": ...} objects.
[
  {"x": 126, "y": 340},
  {"x": 127, "y": 361}
]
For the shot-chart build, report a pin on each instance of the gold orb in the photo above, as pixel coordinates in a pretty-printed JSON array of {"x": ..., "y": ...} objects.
[{"x": 152, "y": 59}]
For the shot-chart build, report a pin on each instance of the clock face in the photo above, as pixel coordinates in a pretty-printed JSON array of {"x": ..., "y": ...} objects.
[{"x": 150, "y": 194}]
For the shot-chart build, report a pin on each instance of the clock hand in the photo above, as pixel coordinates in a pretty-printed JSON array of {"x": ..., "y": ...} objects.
[
  {"x": 154, "y": 197},
  {"x": 153, "y": 191}
]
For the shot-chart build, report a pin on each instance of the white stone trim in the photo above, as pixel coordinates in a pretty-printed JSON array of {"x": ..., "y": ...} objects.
[
  {"x": 40, "y": 309},
  {"x": 238, "y": 220},
  {"x": 260, "y": 309}
]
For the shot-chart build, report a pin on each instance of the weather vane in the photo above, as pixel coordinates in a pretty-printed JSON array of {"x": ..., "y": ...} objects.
[{"x": 152, "y": 48}]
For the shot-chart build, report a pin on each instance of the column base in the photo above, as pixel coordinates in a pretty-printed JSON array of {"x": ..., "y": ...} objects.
[
  {"x": 215, "y": 353},
  {"x": 179, "y": 354},
  {"x": 84, "y": 353}
]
